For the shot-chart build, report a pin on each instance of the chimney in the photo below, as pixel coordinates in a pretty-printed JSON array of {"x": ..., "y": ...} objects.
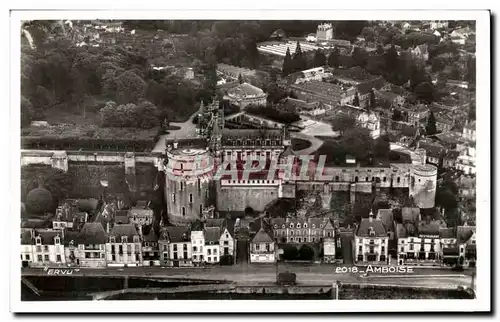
[
  {"x": 107, "y": 227},
  {"x": 175, "y": 145},
  {"x": 371, "y": 215}
]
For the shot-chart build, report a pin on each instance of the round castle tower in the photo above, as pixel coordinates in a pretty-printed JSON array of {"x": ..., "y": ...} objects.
[
  {"x": 189, "y": 173},
  {"x": 423, "y": 185}
]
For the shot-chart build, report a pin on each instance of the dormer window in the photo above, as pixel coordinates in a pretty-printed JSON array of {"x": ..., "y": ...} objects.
[
  {"x": 283, "y": 226},
  {"x": 314, "y": 226},
  {"x": 124, "y": 239},
  {"x": 372, "y": 231},
  {"x": 305, "y": 225},
  {"x": 298, "y": 225},
  {"x": 57, "y": 240},
  {"x": 38, "y": 240},
  {"x": 136, "y": 239},
  {"x": 291, "y": 225},
  {"x": 112, "y": 239},
  {"x": 275, "y": 226}
]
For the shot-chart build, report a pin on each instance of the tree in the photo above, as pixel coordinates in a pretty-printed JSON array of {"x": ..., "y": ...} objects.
[
  {"x": 425, "y": 92},
  {"x": 343, "y": 123},
  {"x": 391, "y": 59},
  {"x": 240, "y": 79},
  {"x": 430, "y": 128},
  {"x": 287, "y": 63},
  {"x": 372, "y": 99},
  {"x": 319, "y": 59},
  {"x": 299, "y": 62},
  {"x": 382, "y": 147},
  {"x": 470, "y": 75},
  {"x": 333, "y": 58},
  {"x": 368, "y": 33},
  {"x": 359, "y": 56},
  {"x": 39, "y": 201},
  {"x": 355, "y": 101},
  {"x": 27, "y": 111},
  {"x": 129, "y": 88},
  {"x": 306, "y": 253},
  {"x": 290, "y": 252},
  {"x": 357, "y": 142}
]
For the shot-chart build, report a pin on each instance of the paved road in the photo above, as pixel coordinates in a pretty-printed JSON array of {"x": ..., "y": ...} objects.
[
  {"x": 187, "y": 130},
  {"x": 315, "y": 143},
  {"x": 306, "y": 274}
]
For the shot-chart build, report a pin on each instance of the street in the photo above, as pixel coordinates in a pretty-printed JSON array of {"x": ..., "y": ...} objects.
[{"x": 245, "y": 274}]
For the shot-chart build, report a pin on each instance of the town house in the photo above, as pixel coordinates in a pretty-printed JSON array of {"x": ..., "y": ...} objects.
[
  {"x": 227, "y": 241},
  {"x": 176, "y": 248},
  {"x": 371, "y": 242},
  {"x": 198, "y": 243},
  {"x": 466, "y": 239},
  {"x": 262, "y": 248},
  {"x": 140, "y": 216},
  {"x": 297, "y": 230},
  {"x": 123, "y": 247},
  {"x": 91, "y": 246},
  {"x": 212, "y": 248},
  {"x": 27, "y": 241},
  {"x": 71, "y": 251},
  {"x": 150, "y": 250},
  {"x": 449, "y": 248},
  {"x": 48, "y": 248}
]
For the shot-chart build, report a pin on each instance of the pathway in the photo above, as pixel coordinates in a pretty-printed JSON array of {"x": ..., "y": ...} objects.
[{"x": 187, "y": 130}]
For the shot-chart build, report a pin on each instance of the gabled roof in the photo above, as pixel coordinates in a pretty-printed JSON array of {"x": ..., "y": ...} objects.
[
  {"x": 244, "y": 90},
  {"x": 262, "y": 237},
  {"x": 26, "y": 236},
  {"x": 178, "y": 234},
  {"x": 215, "y": 222},
  {"x": 367, "y": 225},
  {"x": 447, "y": 233},
  {"x": 387, "y": 218},
  {"x": 120, "y": 230},
  {"x": 429, "y": 228},
  {"x": 121, "y": 217},
  {"x": 48, "y": 235},
  {"x": 212, "y": 234},
  {"x": 93, "y": 233},
  {"x": 151, "y": 236},
  {"x": 410, "y": 214},
  {"x": 464, "y": 233}
]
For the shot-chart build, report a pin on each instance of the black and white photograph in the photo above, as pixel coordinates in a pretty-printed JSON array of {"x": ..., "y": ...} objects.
[{"x": 209, "y": 158}]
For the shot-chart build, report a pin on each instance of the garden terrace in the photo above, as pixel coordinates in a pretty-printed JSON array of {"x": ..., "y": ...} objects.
[{"x": 88, "y": 137}]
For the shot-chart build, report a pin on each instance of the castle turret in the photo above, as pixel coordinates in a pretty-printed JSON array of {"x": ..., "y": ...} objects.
[
  {"x": 188, "y": 180},
  {"x": 423, "y": 185}
]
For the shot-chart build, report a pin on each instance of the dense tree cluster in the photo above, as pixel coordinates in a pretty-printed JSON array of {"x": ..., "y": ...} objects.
[
  {"x": 143, "y": 115},
  {"x": 273, "y": 114}
]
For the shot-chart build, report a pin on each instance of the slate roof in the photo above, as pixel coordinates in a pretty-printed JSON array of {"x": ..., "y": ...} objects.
[
  {"x": 464, "y": 233},
  {"x": 151, "y": 236},
  {"x": 387, "y": 218},
  {"x": 121, "y": 217},
  {"x": 71, "y": 236},
  {"x": 410, "y": 214},
  {"x": 447, "y": 233},
  {"x": 262, "y": 237},
  {"x": 366, "y": 226},
  {"x": 212, "y": 234},
  {"x": 48, "y": 235},
  {"x": 400, "y": 231},
  {"x": 87, "y": 204},
  {"x": 429, "y": 228},
  {"x": 177, "y": 234},
  {"x": 26, "y": 236},
  {"x": 215, "y": 222},
  {"x": 140, "y": 212},
  {"x": 365, "y": 87},
  {"x": 120, "y": 230},
  {"x": 93, "y": 233},
  {"x": 452, "y": 154}
]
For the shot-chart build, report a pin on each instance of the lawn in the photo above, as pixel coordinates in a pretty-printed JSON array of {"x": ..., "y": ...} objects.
[
  {"x": 62, "y": 116},
  {"x": 300, "y": 144}
]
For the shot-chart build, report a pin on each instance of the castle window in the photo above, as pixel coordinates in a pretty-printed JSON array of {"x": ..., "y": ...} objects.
[
  {"x": 356, "y": 179},
  {"x": 367, "y": 179},
  {"x": 336, "y": 178},
  {"x": 190, "y": 198},
  {"x": 183, "y": 211},
  {"x": 297, "y": 232},
  {"x": 199, "y": 184},
  {"x": 182, "y": 167},
  {"x": 399, "y": 180},
  {"x": 181, "y": 185},
  {"x": 385, "y": 179},
  {"x": 173, "y": 197}
]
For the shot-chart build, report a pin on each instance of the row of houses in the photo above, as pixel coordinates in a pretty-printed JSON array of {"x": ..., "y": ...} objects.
[
  {"x": 380, "y": 240},
  {"x": 125, "y": 245}
]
